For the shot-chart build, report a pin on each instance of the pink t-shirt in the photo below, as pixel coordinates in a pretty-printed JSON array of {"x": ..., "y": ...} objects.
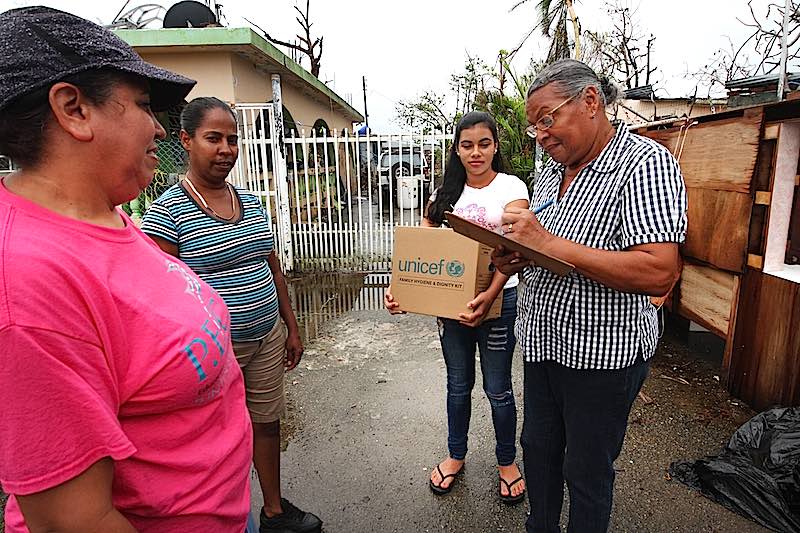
[{"x": 112, "y": 348}]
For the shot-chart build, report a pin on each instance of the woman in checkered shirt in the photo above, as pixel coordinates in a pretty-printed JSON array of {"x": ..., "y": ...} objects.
[{"x": 619, "y": 215}]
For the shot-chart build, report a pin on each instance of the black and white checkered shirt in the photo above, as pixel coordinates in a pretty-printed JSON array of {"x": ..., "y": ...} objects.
[{"x": 631, "y": 194}]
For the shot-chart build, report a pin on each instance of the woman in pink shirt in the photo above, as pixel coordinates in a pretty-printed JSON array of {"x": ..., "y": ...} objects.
[{"x": 123, "y": 406}]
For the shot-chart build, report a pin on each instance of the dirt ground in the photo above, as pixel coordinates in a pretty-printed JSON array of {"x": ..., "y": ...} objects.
[{"x": 682, "y": 421}]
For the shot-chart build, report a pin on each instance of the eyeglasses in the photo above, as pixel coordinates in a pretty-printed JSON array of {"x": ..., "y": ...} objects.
[{"x": 546, "y": 121}]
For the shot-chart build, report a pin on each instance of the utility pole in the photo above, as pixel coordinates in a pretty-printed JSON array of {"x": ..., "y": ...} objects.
[
  {"x": 784, "y": 52},
  {"x": 366, "y": 114}
]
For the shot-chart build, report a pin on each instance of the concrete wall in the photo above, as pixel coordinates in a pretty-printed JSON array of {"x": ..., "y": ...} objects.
[
  {"x": 249, "y": 84},
  {"x": 252, "y": 85},
  {"x": 306, "y": 110},
  {"x": 212, "y": 70},
  {"x": 232, "y": 78}
]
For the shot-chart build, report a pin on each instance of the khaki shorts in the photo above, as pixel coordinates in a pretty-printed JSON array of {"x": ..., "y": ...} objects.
[{"x": 262, "y": 365}]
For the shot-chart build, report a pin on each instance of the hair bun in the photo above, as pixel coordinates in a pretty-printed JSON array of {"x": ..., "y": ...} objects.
[{"x": 610, "y": 89}]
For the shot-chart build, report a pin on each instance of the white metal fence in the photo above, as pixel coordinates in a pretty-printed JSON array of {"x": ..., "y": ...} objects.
[
  {"x": 334, "y": 198},
  {"x": 6, "y": 165}
]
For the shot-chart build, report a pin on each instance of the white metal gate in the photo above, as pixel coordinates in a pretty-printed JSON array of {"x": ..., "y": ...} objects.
[
  {"x": 335, "y": 198},
  {"x": 6, "y": 165},
  {"x": 256, "y": 170}
]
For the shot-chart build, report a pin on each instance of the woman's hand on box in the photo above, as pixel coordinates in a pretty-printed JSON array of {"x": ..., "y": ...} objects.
[
  {"x": 392, "y": 306},
  {"x": 480, "y": 306}
]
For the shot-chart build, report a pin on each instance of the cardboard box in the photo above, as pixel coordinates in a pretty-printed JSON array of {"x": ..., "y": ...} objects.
[{"x": 436, "y": 271}]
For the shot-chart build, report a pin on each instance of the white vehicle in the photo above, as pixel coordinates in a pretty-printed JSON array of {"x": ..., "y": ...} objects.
[{"x": 403, "y": 159}]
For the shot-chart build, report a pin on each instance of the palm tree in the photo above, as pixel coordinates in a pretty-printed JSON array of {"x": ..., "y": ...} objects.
[
  {"x": 553, "y": 15},
  {"x": 508, "y": 109}
]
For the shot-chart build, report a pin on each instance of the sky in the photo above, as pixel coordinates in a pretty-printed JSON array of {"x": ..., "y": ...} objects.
[{"x": 404, "y": 48}]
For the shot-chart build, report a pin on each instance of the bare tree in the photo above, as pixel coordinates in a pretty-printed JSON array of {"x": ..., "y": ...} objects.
[
  {"x": 725, "y": 64},
  {"x": 766, "y": 35},
  {"x": 308, "y": 46},
  {"x": 623, "y": 53},
  {"x": 757, "y": 54},
  {"x": 467, "y": 85},
  {"x": 430, "y": 111},
  {"x": 426, "y": 113}
]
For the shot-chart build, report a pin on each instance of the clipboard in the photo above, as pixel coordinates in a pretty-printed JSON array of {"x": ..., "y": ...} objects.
[{"x": 479, "y": 233}]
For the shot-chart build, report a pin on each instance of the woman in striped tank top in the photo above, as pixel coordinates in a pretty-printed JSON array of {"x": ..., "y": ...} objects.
[{"x": 224, "y": 234}]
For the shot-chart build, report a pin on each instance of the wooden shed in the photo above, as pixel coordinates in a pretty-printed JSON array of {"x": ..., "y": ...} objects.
[{"x": 741, "y": 276}]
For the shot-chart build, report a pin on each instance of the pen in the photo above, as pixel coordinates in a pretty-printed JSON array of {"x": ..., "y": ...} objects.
[{"x": 542, "y": 207}]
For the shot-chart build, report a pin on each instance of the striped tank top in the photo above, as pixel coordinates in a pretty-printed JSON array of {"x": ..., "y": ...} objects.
[{"x": 229, "y": 256}]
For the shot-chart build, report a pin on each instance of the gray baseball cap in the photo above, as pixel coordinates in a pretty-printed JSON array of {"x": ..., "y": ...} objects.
[{"x": 40, "y": 46}]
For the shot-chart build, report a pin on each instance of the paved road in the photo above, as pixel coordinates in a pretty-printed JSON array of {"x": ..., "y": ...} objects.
[{"x": 366, "y": 424}]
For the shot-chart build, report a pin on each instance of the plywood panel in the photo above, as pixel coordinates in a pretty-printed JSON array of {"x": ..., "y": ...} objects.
[
  {"x": 719, "y": 154},
  {"x": 771, "y": 131},
  {"x": 765, "y": 363},
  {"x": 719, "y": 222},
  {"x": 706, "y": 296},
  {"x": 765, "y": 165},
  {"x": 758, "y": 230},
  {"x": 729, "y": 340},
  {"x": 741, "y": 372}
]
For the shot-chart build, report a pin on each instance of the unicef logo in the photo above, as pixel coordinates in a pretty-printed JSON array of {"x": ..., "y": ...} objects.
[{"x": 455, "y": 269}]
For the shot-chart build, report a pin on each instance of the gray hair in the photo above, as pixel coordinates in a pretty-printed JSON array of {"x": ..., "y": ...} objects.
[{"x": 571, "y": 76}]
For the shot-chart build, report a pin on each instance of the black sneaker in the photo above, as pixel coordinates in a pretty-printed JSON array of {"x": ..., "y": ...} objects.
[{"x": 292, "y": 520}]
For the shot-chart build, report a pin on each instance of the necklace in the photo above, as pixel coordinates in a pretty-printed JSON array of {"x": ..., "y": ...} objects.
[
  {"x": 208, "y": 207},
  {"x": 484, "y": 185}
]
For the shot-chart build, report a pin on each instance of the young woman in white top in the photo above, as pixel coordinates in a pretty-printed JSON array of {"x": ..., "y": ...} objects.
[{"x": 476, "y": 188}]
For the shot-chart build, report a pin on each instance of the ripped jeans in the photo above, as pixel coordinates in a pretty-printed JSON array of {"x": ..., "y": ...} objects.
[{"x": 495, "y": 340}]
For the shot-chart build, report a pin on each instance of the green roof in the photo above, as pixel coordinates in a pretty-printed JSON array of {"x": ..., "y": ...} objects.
[{"x": 243, "y": 40}]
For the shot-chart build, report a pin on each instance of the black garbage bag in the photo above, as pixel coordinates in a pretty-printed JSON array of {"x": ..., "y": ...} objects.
[{"x": 757, "y": 474}]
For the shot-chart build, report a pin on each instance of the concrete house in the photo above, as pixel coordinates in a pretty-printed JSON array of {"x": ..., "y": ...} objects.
[{"x": 236, "y": 65}]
